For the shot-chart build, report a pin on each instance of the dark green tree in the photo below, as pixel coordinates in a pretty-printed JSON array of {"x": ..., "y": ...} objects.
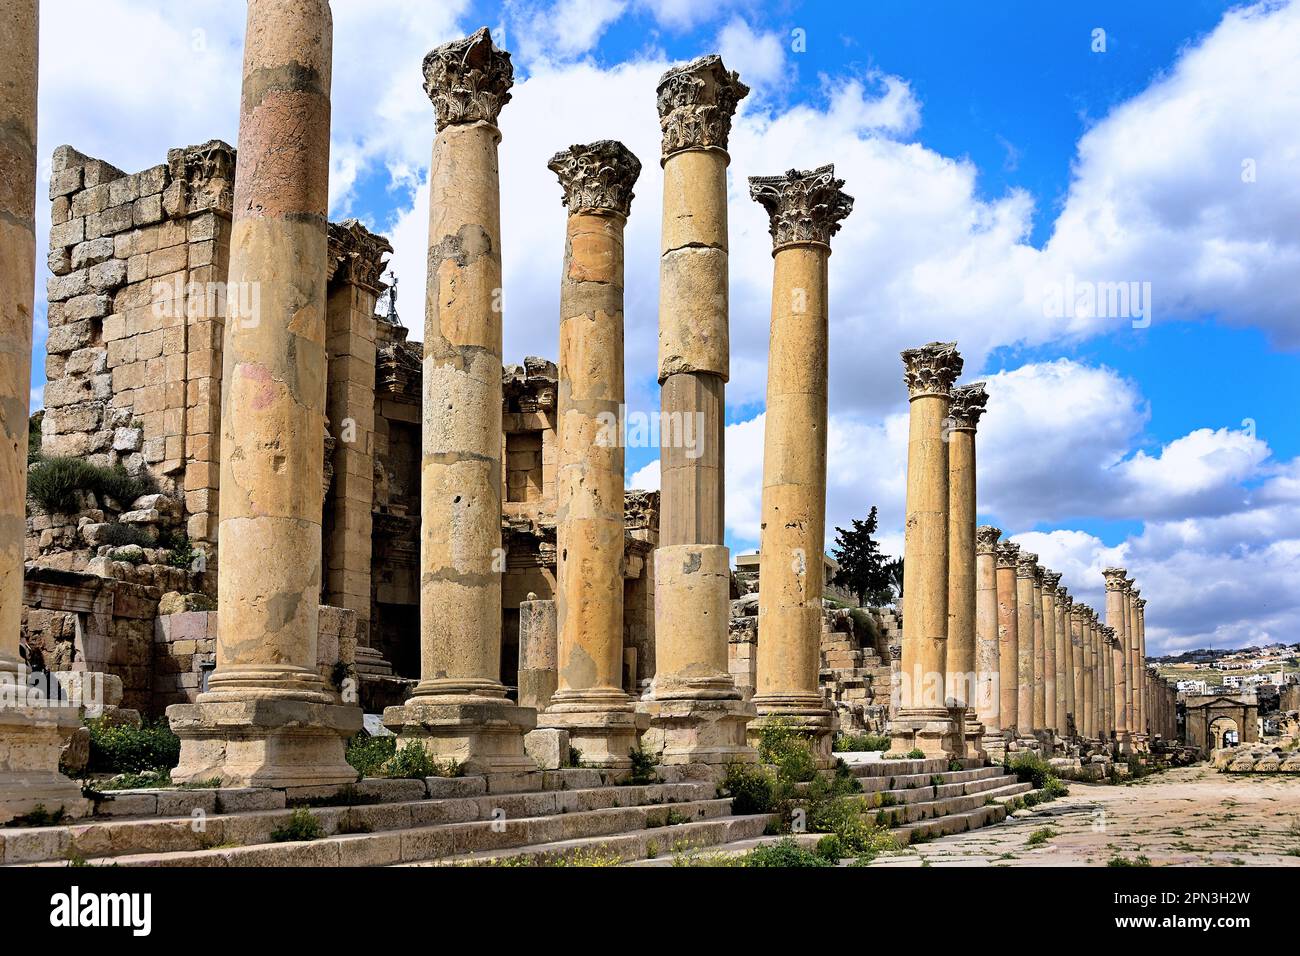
[
  {"x": 862, "y": 566},
  {"x": 894, "y": 568}
]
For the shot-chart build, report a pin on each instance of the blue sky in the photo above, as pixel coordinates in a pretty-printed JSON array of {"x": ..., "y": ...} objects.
[{"x": 993, "y": 154}]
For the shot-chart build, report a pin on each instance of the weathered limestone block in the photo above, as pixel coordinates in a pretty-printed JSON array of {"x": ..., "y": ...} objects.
[{"x": 548, "y": 747}]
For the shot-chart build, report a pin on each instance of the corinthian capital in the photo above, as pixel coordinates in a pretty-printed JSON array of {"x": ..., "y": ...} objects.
[
  {"x": 1008, "y": 554},
  {"x": 1050, "y": 579},
  {"x": 597, "y": 176},
  {"x": 696, "y": 103},
  {"x": 1114, "y": 578},
  {"x": 1027, "y": 565},
  {"x": 356, "y": 255},
  {"x": 1063, "y": 598},
  {"x": 1141, "y": 604},
  {"x": 802, "y": 205},
  {"x": 986, "y": 539},
  {"x": 468, "y": 80},
  {"x": 931, "y": 369},
  {"x": 967, "y": 406}
]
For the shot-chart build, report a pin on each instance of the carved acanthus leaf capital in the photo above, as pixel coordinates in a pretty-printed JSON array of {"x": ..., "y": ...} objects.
[
  {"x": 1063, "y": 598},
  {"x": 931, "y": 369},
  {"x": 1027, "y": 565},
  {"x": 1008, "y": 554},
  {"x": 967, "y": 405},
  {"x": 1141, "y": 604},
  {"x": 597, "y": 176},
  {"x": 357, "y": 255},
  {"x": 468, "y": 81},
  {"x": 802, "y": 205},
  {"x": 696, "y": 103},
  {"x": 1050, "y": 579},
  {"x": 986, "y": 539},
  {"x": 1114, "y": 578}
]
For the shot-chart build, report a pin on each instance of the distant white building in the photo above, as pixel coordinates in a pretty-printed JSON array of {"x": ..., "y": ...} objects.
[{"x": 1193, "y": 687}]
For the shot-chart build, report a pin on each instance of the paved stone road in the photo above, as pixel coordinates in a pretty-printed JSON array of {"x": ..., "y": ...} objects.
[{"x": 1189, "y": 816}]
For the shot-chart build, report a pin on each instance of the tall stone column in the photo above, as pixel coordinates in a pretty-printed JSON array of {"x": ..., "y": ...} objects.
[
  {"x": 1137, "y": 673},
  {"x": 1117, "y": 620},
  {"x": 965, "y": 408},
  {"x": 1145, "y": 719},
  {"x": 988, "y": 701},
  {"x": 1067, "y": 718},
  {"x": 589, "y": 701},
  {"x": 1026, "y": 569},
  {"x": 268, "y": 718},
  {"x": 1040, "y": 652},
  {"x": 923, "y": 720},
  {"x": 1108, "y": 654},
  {"x": 31, "y": 730},
  {"x": 1050, "y": 688},
  {"x": 1087, "y": 659},
  {"x": 697, "y": 714},
  {"x": 804, "y": 209},
  {"x": 1006, "y": 558},
  {"x": 459, "y": 709}
]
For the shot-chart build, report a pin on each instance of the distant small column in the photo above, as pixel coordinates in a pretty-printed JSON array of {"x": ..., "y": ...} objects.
[
  {"x": 987, "y": 664},
  {"x": 1083, "y": 616},
  {"x": 1117, "y": 620},
  {"x": 1026, "y": 570},
  {"x": 538, "y": 648},
  {"x": 1050, "y": 668},
  {"x": 804, "y": 210},
  {"x": 923, "y": 720},
  {"x": 1006, "y": 557}
]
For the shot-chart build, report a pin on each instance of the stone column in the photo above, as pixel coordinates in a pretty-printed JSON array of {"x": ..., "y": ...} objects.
[
  {"x": 1117, "y": 621},
  {"x": 459, "y": 709},
  {"x": 1074, "y": 664},
  {"x": 268, "y": 718},
  {"x": 923, "y": 719},
  {"x": 1137, "y": 673},
  {"x": 1006, "y": 559},
  {"x": 1040, "y": 652},
  {"x": 538, "y": 666},
  {"x": 1146, "y": 720},
  {"x": 31, "y": 730},
  {"x": 1026, "y": 569},
  {"x": 1087, "y": 670},
  {"x": 964, "y": 411},
  {"x": 589, "y": 701},
  {"x": 804, "y": 210},
  {"x": 1050, "y": 580},
  {"x": 988, "y": 701},
  {"x": 1064, "y": 680},
  {"x": 1108, "y": 654},
  {"x": 697, "y": 714}
]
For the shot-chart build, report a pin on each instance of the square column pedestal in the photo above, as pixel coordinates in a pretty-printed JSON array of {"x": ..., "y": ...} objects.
[
  {"x": 485, "y": 736},
  {"x": 934, "y": 730},
  {"x": 698, "y": 730},
  {"x": 974, "y": 735},
  {"x": 817, "y": 726},
  {"x": 264, "y": 742},
  {"x": 31, "y": 739}
]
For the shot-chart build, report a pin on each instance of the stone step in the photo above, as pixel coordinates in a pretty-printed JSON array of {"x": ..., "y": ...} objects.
[
  {"x": 952, "y": 823},
  {"x": 864, "y": 765},
  {"x": 199, "y": 828},
  {"x": 917, "y": 781},
  {"x": 929, "y": 792},
  {"x": 910, "y": 813},
  {"x": 416, "y": 843},
  {"x": 631, "y": 849}
]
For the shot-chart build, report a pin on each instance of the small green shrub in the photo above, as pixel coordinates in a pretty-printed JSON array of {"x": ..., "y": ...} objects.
[
  {"x": 781, "y": 745},
  {"x": 916, "y": 753},
  {"x": 54, "y": 483},
  {"x": 414, "y": 762},
  {"x": 120, "y": 748},
  {"x": 643, "y": 767},
  {"x": 752, "y": 789},
  {"x": 1039, "y": 837},
  {"x": 368, "y": 754},
  {"x": 785, "y": 853},
  {"x": 34, "y": 437},
  {"x": 39, "y": 817},
  {"x": 301, "y": 825},
  {"x": 575, "y": 757},
  {"x": 181, "y": 548},
  {"x": 120, "y": 535},
  {"x": 144, "y": 780},
  {"x": 1031, "y": 768},
  {"x": 860, "y": 743}
]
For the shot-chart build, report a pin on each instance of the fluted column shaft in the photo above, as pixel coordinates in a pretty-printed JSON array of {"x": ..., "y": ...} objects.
[
  {"x": 1072, "y": 672},
  {"x": 1087, "y": 674},
  {"x": 965, "y": 408},
  {"x": 1008, "y": 636},
  {"x": 1040, "y": 652},
  {"x": 1050, "y": 687},
  {"x": 988, "y": 701},
  {"x": 589, "y": 701}
]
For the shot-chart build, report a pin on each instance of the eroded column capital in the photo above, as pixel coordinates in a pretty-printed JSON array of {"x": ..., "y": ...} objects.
[
  {"x": 1008, "y": 554},
  {"x": 1063, "y": 598},
  {"x": 468, "y": 80},
  {"x": 696, "y": 103},
  {"x": 967, "y": 406},
  {"x": 986, "y": 539},
  {"x": 1114, "y": 578},
  {"x": 1050, "y": 579},
  {"x": 1141, "y": 604},
  {"x": 931, "y": 369},
  {"x": 597, "y": 177},
  {"x": 803, "y": 205},
  {"x": 1027, "y": 565},
  {"x": 356, "y": 255}
]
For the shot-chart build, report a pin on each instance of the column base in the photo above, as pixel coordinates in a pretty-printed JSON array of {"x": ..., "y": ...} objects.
[
  {"x": 264, "y": 742},
  {"x": 605, "y": 736},
  {"x": 485, "y": 736},
  {"x": 994, "y": 745},
  {"x": 703, "y": 731},
  {"x": 816, "y": 725},
  {"x": 928, "y": 729},
  {"x": 31, "y": 739},
  {"x": 974, "y": 733}
]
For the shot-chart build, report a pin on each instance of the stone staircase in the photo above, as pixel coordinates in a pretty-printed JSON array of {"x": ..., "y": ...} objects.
[
  {"x": 854, "y": 680},
  {"x": 393, "y": 822}
]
